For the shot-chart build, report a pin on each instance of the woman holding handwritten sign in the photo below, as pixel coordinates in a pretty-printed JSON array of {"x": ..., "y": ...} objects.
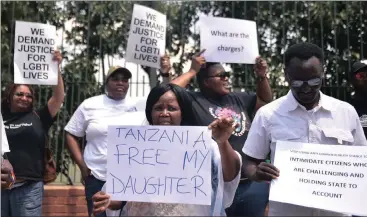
[
  {"x": 26, "y": 130},
  {"x": 166, "y": 106}
]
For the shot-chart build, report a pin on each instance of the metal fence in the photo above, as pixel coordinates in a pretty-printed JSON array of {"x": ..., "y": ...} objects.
[{"x": 93, "y": 35}]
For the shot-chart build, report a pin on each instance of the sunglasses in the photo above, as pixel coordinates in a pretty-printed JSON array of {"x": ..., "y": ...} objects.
[
  {"x": 311, "y": 82},
  {"x": 22, "y": 94},
  {"x": 361, "y": 76},
  {"x": 221, "y": 75}
]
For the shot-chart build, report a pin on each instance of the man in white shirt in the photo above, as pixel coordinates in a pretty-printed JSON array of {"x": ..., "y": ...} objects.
[{"x": 304, "y": 115}]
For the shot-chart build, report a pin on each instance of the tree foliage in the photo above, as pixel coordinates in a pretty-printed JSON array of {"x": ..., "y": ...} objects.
[{"x": 100, "y": 29}]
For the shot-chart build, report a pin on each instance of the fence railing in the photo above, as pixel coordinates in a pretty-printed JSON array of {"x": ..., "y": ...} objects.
[{"x": 93, "y": 35}]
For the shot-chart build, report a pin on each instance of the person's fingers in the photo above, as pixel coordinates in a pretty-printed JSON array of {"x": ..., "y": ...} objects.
[
  {"x": 271, "y": 166},
  {"x": 262, "y": 176},
  {"x": 214, "y": 124},
  {"x": 165, "y": 58},
  {"x": 199, "y": 53},
  {"x": 57, "y": 56},
  {"x": 226, "y": 122},
  {"x": 269, "y": 169},
  {"x": 100, "y": 195},
  {"x": 98, "y": 210},
  {"x": 99, "y": 204},
  {"x": 229, "y": 121},
  {"x": 201, "y": 60}
]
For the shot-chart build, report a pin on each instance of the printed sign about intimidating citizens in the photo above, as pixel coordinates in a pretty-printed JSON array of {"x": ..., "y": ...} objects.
[
  {"x": 328, "y": 177},
  {"x": 228, "y": 40},
  {"x": 162, "y": 164},
  {"x": 34, "y": 46},
  {"x": 147, "y": 37}
]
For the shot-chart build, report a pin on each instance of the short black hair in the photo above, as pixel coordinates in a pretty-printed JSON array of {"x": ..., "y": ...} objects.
[
  {"x": 158, "y": 91},
  {"x": 303, "y": 51},
  {"x": 204, "y": 72}
]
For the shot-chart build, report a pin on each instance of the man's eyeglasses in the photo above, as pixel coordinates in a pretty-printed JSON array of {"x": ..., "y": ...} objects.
[
  {"x": 22, "y": 94},
  {"x": 361, "y": 76},
  {"x": 221, "y": 75},
  {"x": 311, "y": 82}
]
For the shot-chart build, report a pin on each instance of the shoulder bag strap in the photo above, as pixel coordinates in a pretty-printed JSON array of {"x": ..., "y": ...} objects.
[{"x": 47, "y": 145}]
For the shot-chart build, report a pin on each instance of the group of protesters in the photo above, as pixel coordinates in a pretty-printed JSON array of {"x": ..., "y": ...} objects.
[{"x": 245, "y": 127}]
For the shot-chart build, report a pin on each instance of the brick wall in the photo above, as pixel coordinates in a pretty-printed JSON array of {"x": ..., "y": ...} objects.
[
  {"x": 64, "y": 201},
  {"x": 68, "y": 201}
]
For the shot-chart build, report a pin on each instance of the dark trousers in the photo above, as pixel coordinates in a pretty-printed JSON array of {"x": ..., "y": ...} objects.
[
  {"x": 251, "y": 199},
  {"x": 92, "y": 186}
]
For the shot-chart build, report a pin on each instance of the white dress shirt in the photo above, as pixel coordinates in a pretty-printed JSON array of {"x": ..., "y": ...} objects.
[{"x": 331, "y": 122}]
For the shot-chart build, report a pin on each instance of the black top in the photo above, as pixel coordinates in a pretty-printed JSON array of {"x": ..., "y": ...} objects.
[
  {"x": 26, "y": 136},
  {"x": 360, "y": 104},
  {"x": 239, "y": 106}
]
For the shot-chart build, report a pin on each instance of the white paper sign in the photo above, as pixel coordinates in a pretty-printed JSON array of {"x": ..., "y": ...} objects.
[
  {"x": 328, "y": 177},
  {"x": 147, "y": 37},
  {"x": 228, "y": 40},
  {"x": 33, "y": 52},
  {"x": 163, "y": 164}
]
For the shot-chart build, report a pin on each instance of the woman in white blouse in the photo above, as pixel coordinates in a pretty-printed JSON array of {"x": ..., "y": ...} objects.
[{"x": 166, "y": 106}]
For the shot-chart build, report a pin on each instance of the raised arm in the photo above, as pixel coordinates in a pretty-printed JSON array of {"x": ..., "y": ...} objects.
[
  {"x": 196, "y": 63},
  {"x": 57, "y": 98},
  {"x": 263, "y": 90},
  {"x": 165, "y": 69},
  {"x": 222, "y": 129}
]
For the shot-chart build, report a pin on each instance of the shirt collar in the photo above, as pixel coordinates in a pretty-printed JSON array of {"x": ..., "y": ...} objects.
[{"x": 292, "y": 103}]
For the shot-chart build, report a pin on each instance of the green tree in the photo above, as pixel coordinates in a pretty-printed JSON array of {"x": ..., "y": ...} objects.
[{"x": 100, "y": 29}]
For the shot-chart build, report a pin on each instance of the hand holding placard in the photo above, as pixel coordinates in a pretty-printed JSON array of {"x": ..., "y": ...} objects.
[
  {"x": 57, "y": 57},
  {"x": 101, "y": 201},
  {"x": 169, "y": 164},
  {"x": 147, "y": 37},
  {"x": 328, "y": 177},
  {"x": 165, "y": 65},
  {"x": 34, "y": 47},
  {"x": 197, "y": 61},
  {"x": 266, "y": 172},
  {"x": 261, "y": 67}
]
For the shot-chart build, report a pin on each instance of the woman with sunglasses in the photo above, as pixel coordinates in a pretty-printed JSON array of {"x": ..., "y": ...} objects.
[
  {"x": 216, "y": 99},
  {"x": 26, "y": 128},
  {"x": 167, "y": 106}
]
